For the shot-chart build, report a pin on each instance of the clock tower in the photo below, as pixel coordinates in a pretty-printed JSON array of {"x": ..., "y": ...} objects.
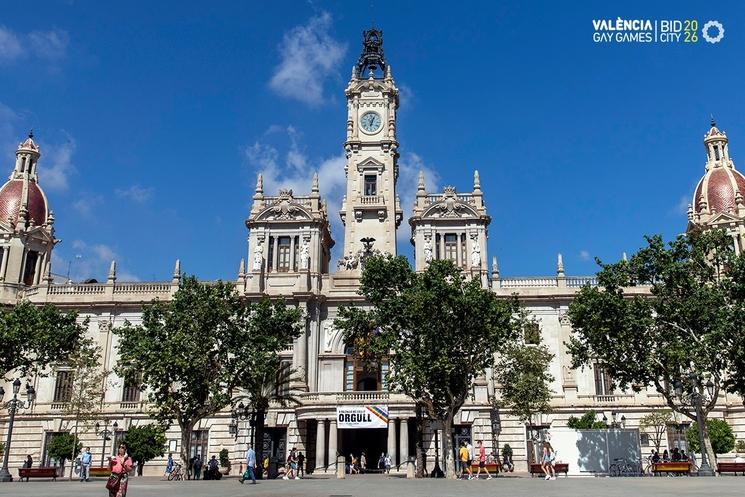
[{"x": 371, "y": 209}]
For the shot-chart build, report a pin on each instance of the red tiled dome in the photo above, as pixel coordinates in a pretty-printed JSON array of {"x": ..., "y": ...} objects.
[
  {"x": 719, "y": 186},
  {"x": 10, "y": 202}
]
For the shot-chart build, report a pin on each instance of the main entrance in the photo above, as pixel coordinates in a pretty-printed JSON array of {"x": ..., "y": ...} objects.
[{"x": 371, "y": 441}]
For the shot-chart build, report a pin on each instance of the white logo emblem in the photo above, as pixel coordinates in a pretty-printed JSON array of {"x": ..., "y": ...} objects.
[{"x": 720, "y": 31}]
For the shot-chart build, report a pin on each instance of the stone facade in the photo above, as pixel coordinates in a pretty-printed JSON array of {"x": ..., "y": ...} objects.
[{"x": 288, "y": 256}]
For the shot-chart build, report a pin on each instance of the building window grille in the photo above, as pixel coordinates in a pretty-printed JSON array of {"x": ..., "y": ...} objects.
[
  {"x": 603, "y": 381},
  {"x": 283, "y": 253},
  {"x": 270, "y": 255},
  {"x": 371, "y": 185},
  {"x": 451, "y": 247},
  {"x": 63, "y": 386},
  {"x": 132, "y": 384}
]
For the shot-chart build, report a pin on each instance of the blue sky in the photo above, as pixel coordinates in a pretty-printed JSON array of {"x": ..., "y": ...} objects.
[{"x": 154, "y": 118}]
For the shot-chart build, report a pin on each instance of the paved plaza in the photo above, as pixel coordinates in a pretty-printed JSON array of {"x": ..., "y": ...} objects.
[{"x": 384, "y": 486}]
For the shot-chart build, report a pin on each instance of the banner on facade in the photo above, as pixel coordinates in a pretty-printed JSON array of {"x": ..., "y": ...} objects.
[{"x": 362, "y": 416}]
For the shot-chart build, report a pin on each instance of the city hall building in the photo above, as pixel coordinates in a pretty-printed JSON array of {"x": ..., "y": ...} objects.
[{"x": 288, "y": 256}]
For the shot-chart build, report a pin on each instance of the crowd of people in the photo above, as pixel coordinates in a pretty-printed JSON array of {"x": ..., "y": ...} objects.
[{"x": 675, "y": 455}]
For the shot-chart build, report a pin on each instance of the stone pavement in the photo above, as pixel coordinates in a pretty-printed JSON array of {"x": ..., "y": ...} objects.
[{"x": 389, "y": 486}]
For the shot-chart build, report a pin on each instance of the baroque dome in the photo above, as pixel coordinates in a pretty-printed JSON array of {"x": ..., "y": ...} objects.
[
  {"x": 722, "y": 187},
  {"x": 11, "y": 201}
]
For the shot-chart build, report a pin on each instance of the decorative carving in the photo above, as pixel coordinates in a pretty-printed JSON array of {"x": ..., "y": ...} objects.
[
  {"x": 427, "y": 250},
  {"x": 449, "y": 206},
  {"x": 258, "y": 256},
  {"x": 564, "y": 319},
  {"x": 372, "y": 52},
  {"x": 476, "y": 255},
  {"x": 104, "y": 325},
  {"x": 328, "y": 336},
  {"x": 304, "y": 255}
]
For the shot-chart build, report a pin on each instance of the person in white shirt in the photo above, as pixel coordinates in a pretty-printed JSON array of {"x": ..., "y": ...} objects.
[{"x": 250, "y": 465}]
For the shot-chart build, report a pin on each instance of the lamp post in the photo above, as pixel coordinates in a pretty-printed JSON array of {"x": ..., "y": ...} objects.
[
  {"x": 242, "y": 413},
  {"x": 616, "y": 423},
  {"x": 13, "y": 406},
  {"x": 697, "y": 399},
  {"x": 105, "y": 433}
]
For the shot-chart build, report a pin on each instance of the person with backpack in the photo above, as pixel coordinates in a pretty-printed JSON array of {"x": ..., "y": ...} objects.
[{"x": 250, "y": 466}]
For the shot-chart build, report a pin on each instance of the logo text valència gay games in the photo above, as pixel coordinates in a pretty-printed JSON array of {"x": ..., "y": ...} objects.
[{"x": 656, "y": 31}]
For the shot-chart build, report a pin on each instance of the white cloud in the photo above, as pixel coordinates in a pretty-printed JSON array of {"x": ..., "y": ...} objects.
[
  {"x": 56, "y": 165},
  {"x": 135, "y": 193},
  {"x": 50, "y": 45},
  {"x": 681, "y": 207},
  {"x": 408, "y": 179},
  {"x": 86, "y": 260},
  {"x": 309, "y": 56},
  {"x": 8, "y": 138},
  {"x": 87, "y": 205},
  {"x": 584, "y": 255},
  {"x": 10, "y": 45}
]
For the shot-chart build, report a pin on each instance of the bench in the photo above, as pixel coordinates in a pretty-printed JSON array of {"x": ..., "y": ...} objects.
[
  {"x": 681, "y": 467},
  {"x": 100, "y": 471},
  {"x": 37, "y": 473},
  {"x": 492, "y": 467},
  {"x": 559, "y": 467},
  {"x": 731, "y": 467}
]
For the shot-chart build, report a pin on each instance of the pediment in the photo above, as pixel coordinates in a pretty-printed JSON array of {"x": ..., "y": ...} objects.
[
  {"x": 723, "y": 218},
  {"x": 284, "y": 209},
  {"x": 370, "y": 163},
  {"x": 450, "y": 207}
]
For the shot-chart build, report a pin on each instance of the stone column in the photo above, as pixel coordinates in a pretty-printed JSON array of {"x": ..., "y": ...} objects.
[
  {"x": 392, "y": 441},
  {"x": 275, "y": 254},
  {"x": 292, "y": 254},
  {"x": 403, "y": 439},
  {"x": 301, "y": 352},
  {"x": 4, "y": 266},
  {"x": 332, "y": 443},
  {"x": 320, "y": 445}
]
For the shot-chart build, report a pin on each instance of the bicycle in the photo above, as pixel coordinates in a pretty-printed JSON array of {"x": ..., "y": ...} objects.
[
  {"x": 622, "y": 467},
  {"x": 177, "y": 474}
]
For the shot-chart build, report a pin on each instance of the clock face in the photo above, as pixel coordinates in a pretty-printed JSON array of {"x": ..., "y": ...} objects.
[{"x": 370, "y": 121}]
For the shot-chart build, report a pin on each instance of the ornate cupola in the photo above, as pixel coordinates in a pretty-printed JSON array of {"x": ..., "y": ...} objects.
[
  {"x": 26, "y": 223},
  {"x": 718, "y": 197}
]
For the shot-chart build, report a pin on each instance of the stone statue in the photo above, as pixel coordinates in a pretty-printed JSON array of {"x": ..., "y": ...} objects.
[
  {"x": 427, "y": 250},
  {"x": 258, "y": 256},
  {"x": 328, "y": 337},
  {"x": 476, "y": 255},
  {"x": 304, "y": 255}
]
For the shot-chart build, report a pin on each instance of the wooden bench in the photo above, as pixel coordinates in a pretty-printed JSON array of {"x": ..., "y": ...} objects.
[
  {"x": 680, "y": 467},
  {"x": 560, "y": 467},
  {"x": 37, "y": 473},
  {"x": 731, "y": 467},
  {"x": 100, "y": 471},
  {"x": 492, "y": 467}
]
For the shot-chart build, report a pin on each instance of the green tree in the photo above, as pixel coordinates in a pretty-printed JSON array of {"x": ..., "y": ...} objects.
[
  {"x": 588, "y": 421},
  {"x": 61, "y": 446},
  {"x": 145, "y": 443},
  {"x": 31, "y": 337},
  {"x": 682, "y": 329},
  {"x": 194, "y": 351},
  {"x": 224, "y": 457},
  {"x": 270, "y": 381},
  {"x": 438, "y": 329},
  {"x": 87, "y": 386},
  {"x": 655, "y": 424},
  {"x": 523, "y": 373},
  {"x": 720, "y": 433}
]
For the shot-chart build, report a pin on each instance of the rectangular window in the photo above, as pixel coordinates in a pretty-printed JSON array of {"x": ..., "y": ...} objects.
[
  {"x": 63, "y": 386},
  {"x": 349, "y": 375},
  {"x": 29, "y": 271},
  {"x": 603, "y": 381},
  {"x": 270, "y": 256},
  {"x": 283, "y": 253},
  {"x": 384, "y": 368},
  {"x": 132, "y": 385},
  {"x": 463, "y": 258},
  {"x": 438, "y": 256},
  {"x": 296, "y": 253},
  {"x": 451, "y": 247},
  {"x": 676, "y": 436},
  {"x": 371, "y": 185},
  {"x": 199, "y": 444}
]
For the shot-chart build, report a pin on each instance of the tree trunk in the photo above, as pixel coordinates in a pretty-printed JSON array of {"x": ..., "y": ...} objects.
[
  {"x": 185, "y": 444},
  {"x": 709, "y": 450},
  {"x": 259, "y": 440},
  {"x": 447, "y": 434},
  {"x": 74, "y": 446},
  {"x": 421, "y": 454}
]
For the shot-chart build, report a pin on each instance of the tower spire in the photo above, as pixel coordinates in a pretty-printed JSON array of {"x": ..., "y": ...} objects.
[
  {"x": 420, "y": 182},
  {"x": 372, "y": 52}
]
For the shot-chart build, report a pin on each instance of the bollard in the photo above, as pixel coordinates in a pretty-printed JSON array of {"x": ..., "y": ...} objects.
[
  {"x": 410, "y": 468},
  {"x": 341, "y": 464}
]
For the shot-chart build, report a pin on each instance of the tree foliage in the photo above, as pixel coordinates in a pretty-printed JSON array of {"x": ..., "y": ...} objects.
[
  {"x": 523, "y": 373},
  {"x": 687, "y": 325},
  {"x": 588, "y": 421},
  {"x": 145, "y": 443},
  {"x": 438, "y": 329},
  {"x": 194, "y": 351},
  {"x": 61, "y": 446},
  {"x": 31, "y": 337},
  {"x": 720, "y": 433},
  {"x": 655, "y": 424}
]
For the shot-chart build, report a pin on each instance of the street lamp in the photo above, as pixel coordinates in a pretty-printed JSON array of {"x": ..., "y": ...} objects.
[
  {"x": 242, "y": 413},
  {"x": 105, "y": 433},
  {"x": 13, "y": 406},
  {"x": 696, "y": 398}
]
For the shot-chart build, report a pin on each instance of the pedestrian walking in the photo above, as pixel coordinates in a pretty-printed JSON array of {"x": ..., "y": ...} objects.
[
  {"x": 121, "y": 465},
  {"x": 300, "y": 464},
  {"x": 169, "y": 466},
  {"x": 464, "y": 464},
  {"x": 291, "y": 466},
  {"x": 548, "y": 461},
  {"x": 250, "y": 466},
  {"x": 85, "y": 464},
  {"x": 387, "y": 463},
  {"x": 482, "y": 461},
  {"x": 363, "y": 463},
  {"x": 471, "y": 457},
  {"x": 198, "y": 467}
]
